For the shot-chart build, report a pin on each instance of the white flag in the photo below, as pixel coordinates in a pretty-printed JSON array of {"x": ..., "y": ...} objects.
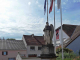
[{"x": 58, "y": 4}]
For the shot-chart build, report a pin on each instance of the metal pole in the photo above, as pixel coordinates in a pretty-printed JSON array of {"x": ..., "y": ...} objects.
[
  {"x": 61, "y": 32},
  {"x": 54, "y": 29},
  {"x": 47, "y": 10}
]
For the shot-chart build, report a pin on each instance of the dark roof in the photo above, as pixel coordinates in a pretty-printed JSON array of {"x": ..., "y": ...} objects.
[
  {"x": 75, "y": 34},
  {"x": 35, "y": 40},
  {"x": 68, "y": 29},
  {"x": 12, "y": 45}
]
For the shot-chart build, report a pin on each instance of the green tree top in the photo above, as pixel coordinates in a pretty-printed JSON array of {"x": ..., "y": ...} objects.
[{"x": 11, "y": 39}]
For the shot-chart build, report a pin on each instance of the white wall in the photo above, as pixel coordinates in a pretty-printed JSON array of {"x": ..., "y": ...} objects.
[
  {"x": 36, "y": 51},
  {"x": 64, "y": 36},
  {"x": 24, "y": 42},
  {"x": 75, "y": 45}
]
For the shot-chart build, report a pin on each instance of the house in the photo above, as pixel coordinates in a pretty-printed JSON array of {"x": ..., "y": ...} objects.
[
  {"x": 74, "y": 41},
  {"x": 10, "y": 48},
  {"x": 19, "y": 57},
  {"x": 33, "y": 44},
  {"x": 67, "y": 31}
]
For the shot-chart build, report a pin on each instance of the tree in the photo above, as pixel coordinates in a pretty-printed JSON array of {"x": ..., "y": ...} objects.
[{"x": 11, "y": 39}]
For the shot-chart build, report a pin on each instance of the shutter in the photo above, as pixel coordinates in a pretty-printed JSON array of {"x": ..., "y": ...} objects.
[{"x": 6, "y": 53}]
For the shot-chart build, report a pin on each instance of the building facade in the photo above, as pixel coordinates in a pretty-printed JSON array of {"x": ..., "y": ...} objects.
[
  {"x": 10, "y": 48},
  {"x": 33, "y": 44},
  {"x": 74, "y": 41},
  {"x": 67, "y": 31}
]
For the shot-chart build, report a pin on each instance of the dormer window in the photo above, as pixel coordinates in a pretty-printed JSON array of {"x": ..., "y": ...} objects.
[{"x": 32, "y": 48}]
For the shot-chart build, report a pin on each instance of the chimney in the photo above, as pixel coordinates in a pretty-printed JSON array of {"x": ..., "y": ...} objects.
[
  {"x": 32, "y": 35},
  {"x": 43, "y": 35}
]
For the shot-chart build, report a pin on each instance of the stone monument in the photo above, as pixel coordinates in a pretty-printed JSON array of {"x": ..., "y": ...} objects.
[{"x": 48, "y": 51}]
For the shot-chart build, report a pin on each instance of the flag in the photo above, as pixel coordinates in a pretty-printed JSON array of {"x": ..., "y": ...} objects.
[
  {"x": 44, "y": 7},
  {"x": 51, "y": 5},
  {"x": 58, "y": 3},
  {"x": 57, "y": 34}
]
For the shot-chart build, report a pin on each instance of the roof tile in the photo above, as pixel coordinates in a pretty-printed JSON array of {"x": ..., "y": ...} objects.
[
  {"x": 35, "y": 40},
  {"x": 12, "y": 45}
]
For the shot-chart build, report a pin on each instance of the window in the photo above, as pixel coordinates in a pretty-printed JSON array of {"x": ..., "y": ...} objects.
[
  {"x": 39, "y": 48},
  {"x": 11, "y": 59},
  {"x": 22, "y": 55},
  {"x": 32, "y": 55},
  {"x": 32, "y": 48},
  {"x": 4, "y": 53}
]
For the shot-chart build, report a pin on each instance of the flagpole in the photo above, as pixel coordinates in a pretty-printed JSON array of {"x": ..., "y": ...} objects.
[
  {"x": 54, "y": 29},
  {"x": 61, "y": 32},
  {"x": 47, "y": 11}
]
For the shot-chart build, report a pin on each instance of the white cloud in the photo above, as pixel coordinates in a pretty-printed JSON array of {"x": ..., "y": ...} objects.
[
  {"x": 40, "y": 6},
  {"x": 57, "y": 11},
  {"x": 29, "y": 3},
  {"x": 64, "y": 3},
  {"x": 76, "y": 1},
  {"x": 17, "y": 18},
  {"x": 37, "y": 2},
  {"x": 55, "y": 5},
  {"x": 66, "y": 0},
  {"x": 64, "y": 10}
]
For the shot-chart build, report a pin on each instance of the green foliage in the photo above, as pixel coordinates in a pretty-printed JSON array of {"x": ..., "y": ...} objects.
[
  {"x": 79, "y": 52},
  {"x": 11, "y": 39},
  {"x": 59, "y": 50},
  {"x": 67, "y": 56},
  {"x": 78, "y": 58}
]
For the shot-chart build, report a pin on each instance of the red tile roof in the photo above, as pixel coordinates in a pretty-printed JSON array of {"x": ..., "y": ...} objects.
[
  {"x": 35, "y": 40},
  {"x": 68, "y": 29}
]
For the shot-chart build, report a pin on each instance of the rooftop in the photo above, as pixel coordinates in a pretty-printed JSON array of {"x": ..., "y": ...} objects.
[
  {"x": 34, "y": 40},
  {"x": 12, "y": 45},
  {"x": 68, "y": 29},
  {"x": 75, "y": 34}
]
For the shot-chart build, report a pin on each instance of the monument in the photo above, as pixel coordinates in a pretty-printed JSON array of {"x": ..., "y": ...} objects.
[{"x": 48, "y": 51}]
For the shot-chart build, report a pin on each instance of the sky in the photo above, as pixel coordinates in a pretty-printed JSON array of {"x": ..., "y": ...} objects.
[{"x": 26, "y": 17}]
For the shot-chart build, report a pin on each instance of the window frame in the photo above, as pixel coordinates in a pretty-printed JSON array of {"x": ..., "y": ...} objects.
[
  {"x": 32, "y": 55},
  {"x": 3, "y": 53},
  {"x": 12, "y": 58},
  {"x": 23, "y": 55},
  {"x": 39, "y": 47},
  {"x": 31, "y": 48}
]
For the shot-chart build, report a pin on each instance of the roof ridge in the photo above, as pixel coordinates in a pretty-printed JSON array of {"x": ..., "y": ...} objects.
[
  {"x": 65, "y": 24},
  {"x": 31, "y": 35},
  {"x": 70, "y": 24},
  {"x": 38, "y": 40}
]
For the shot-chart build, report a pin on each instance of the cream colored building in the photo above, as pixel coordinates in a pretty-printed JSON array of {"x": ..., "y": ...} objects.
[{"x": 33, "y": 45}]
